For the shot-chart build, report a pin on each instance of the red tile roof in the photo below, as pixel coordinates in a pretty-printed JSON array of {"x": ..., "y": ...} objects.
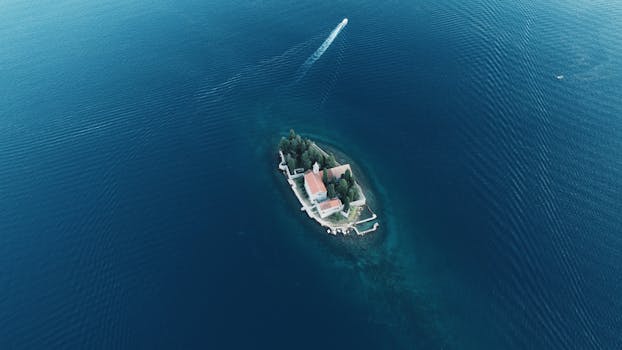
[
  {"x": 330, "y": 204},
  {"x": 337, "y": 171},
  {"x": 314, "y": 181}
]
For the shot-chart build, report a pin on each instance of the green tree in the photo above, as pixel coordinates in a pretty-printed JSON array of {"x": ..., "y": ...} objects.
[
  {"x": 322, "y": 162},
  {"x": 348, "y": 175},
  {"x": 331, "y": 162},
  {"x": 292, "y": 134},
  {"x": 291, "y": 162},
  {"x": 315, "y": 155},
  {"x": 293, "y": 147},
  {"x": 325, "y": 177},
  {"x": 331, "y": 191},
  {"x": 284, "y": 145},
  {"x": 352, "y": 194},
  {"x": 300, "y": 144},
  {"x": 346, "y": 204},
  {"x": 306, "y": 161},
  {"x": 342, "y": 188}
]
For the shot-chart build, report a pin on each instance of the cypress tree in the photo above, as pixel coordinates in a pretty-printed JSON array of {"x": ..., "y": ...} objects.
[
  {"x": 291, "y": 162},
  {"x": 342, "y": 188},
  {"x": 331, "y": 191},
  {"x": 348, "y": 175}
]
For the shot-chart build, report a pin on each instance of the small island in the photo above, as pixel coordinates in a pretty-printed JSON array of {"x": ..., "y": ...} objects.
[{"x": 327, "y": 190}]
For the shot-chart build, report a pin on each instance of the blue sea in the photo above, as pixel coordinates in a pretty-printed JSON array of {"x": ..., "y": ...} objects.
[{"x": 141, "y": 207}]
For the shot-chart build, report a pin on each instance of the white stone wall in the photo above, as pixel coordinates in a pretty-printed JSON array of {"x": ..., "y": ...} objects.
[
  {"x": 283, "y": 166},
  {"x": 362, "y": 200},
  {"x": 307, "y": 190},
  {"x": 324, "y": 214},
  {"x": 358, "y": 203}
]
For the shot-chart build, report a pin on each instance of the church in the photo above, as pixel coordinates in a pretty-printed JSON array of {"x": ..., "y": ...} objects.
[{"x": 316, "y": 189}]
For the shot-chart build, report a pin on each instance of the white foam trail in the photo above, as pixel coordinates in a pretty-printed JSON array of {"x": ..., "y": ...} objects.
[{"x": 320, "y": 51}]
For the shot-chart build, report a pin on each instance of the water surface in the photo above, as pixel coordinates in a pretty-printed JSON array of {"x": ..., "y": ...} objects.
[{"x": 141, "y": 206}]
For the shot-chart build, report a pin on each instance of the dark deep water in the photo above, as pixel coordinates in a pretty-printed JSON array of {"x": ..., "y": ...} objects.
[{"x": 140, "y": 206}]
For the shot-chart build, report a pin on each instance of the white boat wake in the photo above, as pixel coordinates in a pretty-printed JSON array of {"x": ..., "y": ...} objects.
[{"x": 320, "y": 51}]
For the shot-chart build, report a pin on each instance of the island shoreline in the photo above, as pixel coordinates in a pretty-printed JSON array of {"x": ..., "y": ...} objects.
[{"x": 309, "y": 208}]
